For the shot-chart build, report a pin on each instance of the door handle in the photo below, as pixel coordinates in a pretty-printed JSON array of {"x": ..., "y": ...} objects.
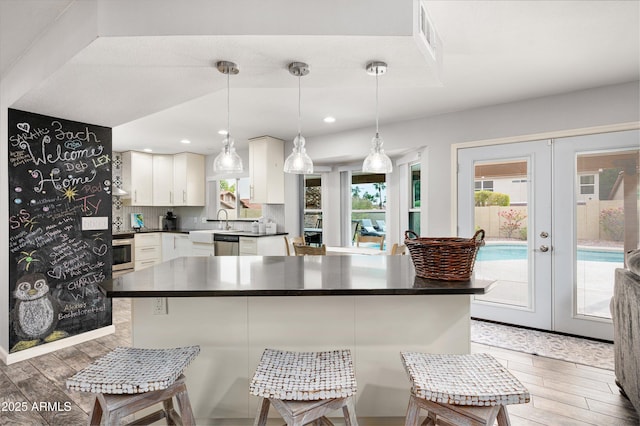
[{"x": 544, "y": 248}]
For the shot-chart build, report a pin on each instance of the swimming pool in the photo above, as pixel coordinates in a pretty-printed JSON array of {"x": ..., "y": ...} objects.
[{"x": 519, "y": 252}]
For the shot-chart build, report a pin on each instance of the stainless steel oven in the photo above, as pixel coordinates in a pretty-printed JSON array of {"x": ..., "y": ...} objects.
[{"x": 123, "y": 253}]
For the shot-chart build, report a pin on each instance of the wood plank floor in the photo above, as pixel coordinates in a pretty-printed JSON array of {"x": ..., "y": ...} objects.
[{"x": 563, "y": 393}]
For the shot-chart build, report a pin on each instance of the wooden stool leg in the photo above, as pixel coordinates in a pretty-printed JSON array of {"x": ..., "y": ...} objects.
[
  {"x": 349, "y": 412},
  {"x": 430, "y": 420},
  {"x": 169, "y": 412},
  {"x": 184, "y": 405},
  {"x": 96, "y": 413},
  {"x": 413, "y": 412},
  {"x": 263, "y": 411},
  {"x": 503, "y": 417}
]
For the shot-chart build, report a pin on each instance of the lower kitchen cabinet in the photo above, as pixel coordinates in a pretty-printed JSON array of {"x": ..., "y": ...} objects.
[
  {"x": 175, "y": 245},
  {"x": 262, "y": 246},
  {"x": 148, "y": 250},
  {"x": 202, "y": 249}
]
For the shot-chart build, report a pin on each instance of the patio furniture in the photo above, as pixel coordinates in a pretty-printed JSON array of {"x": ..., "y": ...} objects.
[
  {"x": 355, "y": 225},
  {"x": 367, "y": 228},
  {"x": 128, "y": 380},
  {"x": 381, "y": 225},
  {"x": 305, "y": 386},
  {"x": 471, "y": 389}
]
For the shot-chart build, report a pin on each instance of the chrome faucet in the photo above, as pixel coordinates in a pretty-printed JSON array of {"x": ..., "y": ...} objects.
[{"x": 226, "y": 218}]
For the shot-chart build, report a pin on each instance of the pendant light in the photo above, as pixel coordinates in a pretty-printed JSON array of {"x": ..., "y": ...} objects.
[
  {"x": 298, "y": 161},
  {"x": 377, "y": 161},
  {"x": 228, "y": 161}
]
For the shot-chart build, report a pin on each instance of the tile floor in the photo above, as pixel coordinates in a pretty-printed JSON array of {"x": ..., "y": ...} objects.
[{"x": 563, "y": 393}]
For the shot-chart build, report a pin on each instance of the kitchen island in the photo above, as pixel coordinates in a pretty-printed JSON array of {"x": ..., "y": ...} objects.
[{"x": 235, "y": 307}]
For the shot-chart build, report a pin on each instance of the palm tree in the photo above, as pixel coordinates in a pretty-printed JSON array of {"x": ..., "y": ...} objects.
[{"x": 379, "y": 187}]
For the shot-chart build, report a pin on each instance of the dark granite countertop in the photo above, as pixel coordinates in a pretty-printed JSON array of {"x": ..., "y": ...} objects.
[
  {"x": 129, "y": 234},
  {"x": 219, "y": 276}
]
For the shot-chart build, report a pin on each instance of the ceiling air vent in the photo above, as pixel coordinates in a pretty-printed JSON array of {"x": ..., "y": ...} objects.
[{"x": 428, "y": 31}]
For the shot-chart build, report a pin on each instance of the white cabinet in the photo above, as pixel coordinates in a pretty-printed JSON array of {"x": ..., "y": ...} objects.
[
  {"x": 202, "y": 249},
  {"x": 266, "y": 162},
  {"x": 162, "y": 180},
  {"x": 137, "y": 172},
  {"x": 175, "y": 245},
  {"x": 262, "y": 246},
  {"x": 188, "y": 179},
  {"x": 148, "y": 250}
]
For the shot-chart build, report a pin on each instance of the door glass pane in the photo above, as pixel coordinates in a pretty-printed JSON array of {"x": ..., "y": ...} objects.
[
  {"x": 313, "y": 209},
  {"x": 502, "y": 210},
  {"x": 415, "y": 203},
  {"x": 369, "y": 203},
  {"x": 606, "y": 225}
]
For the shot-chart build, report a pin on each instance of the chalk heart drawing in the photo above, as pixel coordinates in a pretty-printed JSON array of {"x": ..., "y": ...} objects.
[
  {"x": 24, "y": 127},
  {"x": 56, "y": 273},
  {"x": 100, "y": 251}
]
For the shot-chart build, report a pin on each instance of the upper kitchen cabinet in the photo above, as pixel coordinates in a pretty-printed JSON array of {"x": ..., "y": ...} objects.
[
  {"x": 163, "y": 194},
  {"x": 266, "y": 161},
  {"x": 188, "y": 179},
  {"x": 137, "y": 169}
]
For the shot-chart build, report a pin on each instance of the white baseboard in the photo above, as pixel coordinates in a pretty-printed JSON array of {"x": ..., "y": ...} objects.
[{"x": 8, "y": 358}]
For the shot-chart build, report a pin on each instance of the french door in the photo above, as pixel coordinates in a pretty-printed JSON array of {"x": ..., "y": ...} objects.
[{"x": 558, "y": 215}]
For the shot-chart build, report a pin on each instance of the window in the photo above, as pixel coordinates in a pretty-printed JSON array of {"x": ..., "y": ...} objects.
[
  {"x": 313, "y": 209},
  {"x": 233, "y": 196},
  {"x": 414, "y": 200},
  {"x": 484, "y": 185},
  {"x": 587, "y": 184},
  {"x": 369, "y": 202}
]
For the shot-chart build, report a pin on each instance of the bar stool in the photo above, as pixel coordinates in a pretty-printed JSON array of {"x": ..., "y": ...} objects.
[
  {"x": 462, "y": 389},
  {"x": 305, "y": 386},
  {"x": 128, "y": 380}
]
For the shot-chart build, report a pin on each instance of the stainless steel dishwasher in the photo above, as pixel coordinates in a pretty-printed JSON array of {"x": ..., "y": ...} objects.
[{"x": 226, "y": 245}]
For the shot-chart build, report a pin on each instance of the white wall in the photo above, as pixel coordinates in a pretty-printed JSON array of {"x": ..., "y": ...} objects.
[{"x": 600, "y": 106}]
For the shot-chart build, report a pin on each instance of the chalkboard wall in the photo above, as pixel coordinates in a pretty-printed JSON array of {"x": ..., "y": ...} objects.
[{"x": 59, "y": 173}]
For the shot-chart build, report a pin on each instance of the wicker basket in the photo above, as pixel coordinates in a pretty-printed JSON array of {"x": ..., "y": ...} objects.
[{"x": 449, "y": 259}]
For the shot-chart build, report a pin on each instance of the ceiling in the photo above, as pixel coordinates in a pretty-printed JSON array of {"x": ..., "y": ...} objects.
[{"x": 155, "y": 91}]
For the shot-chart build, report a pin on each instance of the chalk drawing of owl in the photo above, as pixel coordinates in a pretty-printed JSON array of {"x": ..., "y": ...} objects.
[{"x": 35, "y": 313}]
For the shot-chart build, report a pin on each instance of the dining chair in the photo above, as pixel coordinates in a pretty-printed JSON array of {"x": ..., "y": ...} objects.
[
  {"x": 398, "y": 249},
  {"x": 371, "y": 239},
  {"x": 294, "y": 240},
  {"x": 302, "y": 250}
]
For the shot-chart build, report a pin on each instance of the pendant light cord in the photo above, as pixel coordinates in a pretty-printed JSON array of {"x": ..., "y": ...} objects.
[
  {"x": 299, "y": 108},
  {"x": 377, "y": 101},
  {"x": 228, "y": 109}
]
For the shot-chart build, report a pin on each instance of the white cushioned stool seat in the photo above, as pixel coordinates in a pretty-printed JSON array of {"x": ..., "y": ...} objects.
[
  {"x": 127, "y": 380},
  {"x": 453, "y": 385},
  {"x": 304, "y": 386}
]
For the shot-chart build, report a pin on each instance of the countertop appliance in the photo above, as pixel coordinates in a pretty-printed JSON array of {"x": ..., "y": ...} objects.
[
  {"x": 123, "y": 247},
  {"x": 170, "y": 222},
  {"x": 226, "y": 245}
]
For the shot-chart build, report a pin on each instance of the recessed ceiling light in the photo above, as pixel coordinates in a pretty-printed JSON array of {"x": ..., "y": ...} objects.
[
  {"x": 329, "y": 120},
  {"x": 147, "y": 150},
  {"x": 185, "y": 141},
  {"x": 222, "y": 132}
]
